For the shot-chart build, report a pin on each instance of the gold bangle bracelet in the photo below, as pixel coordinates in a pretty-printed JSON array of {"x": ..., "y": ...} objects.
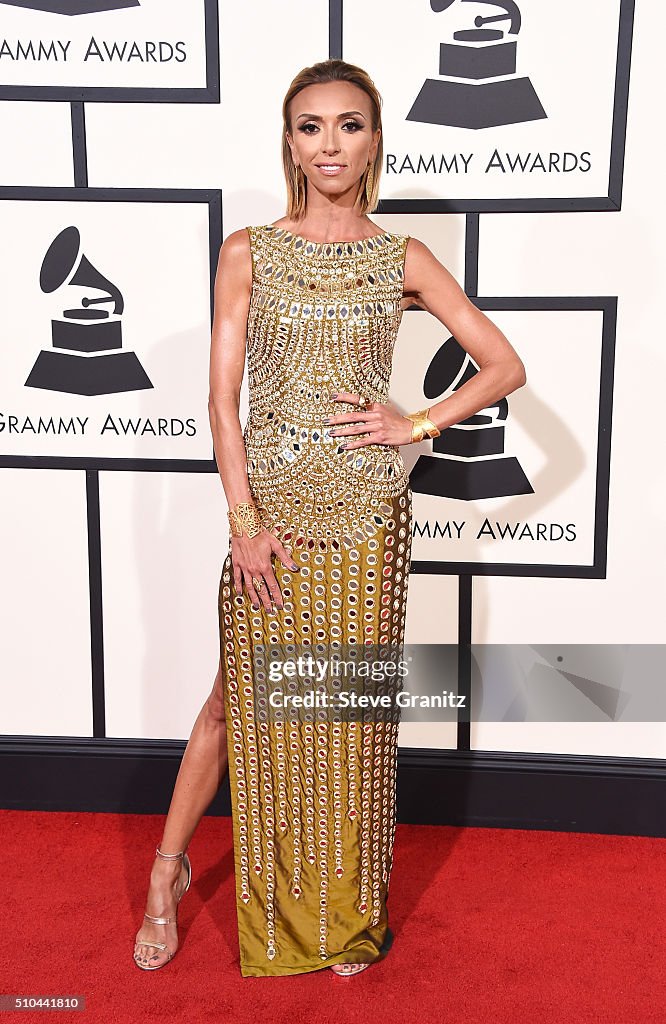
[{"x": 422, "y": 425}]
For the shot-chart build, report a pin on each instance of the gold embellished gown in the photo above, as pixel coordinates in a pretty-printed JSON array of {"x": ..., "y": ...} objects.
[{"x": 313, "y": 803}]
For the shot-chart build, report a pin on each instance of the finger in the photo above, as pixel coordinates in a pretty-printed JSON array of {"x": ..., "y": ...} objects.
[
  {"x": 238, "y": 579},
  {"x": 360, "y": 443},
  {"x": 273, "y": 587},
  {"x": 359, "y": 427},
  {"x": 281, "y": 551},
  {"x": 351, "y": 400},
  {"x": 249, "y": 586},
  {"x": 343, "y": 418},
  {"x": 262, "y": 589},
  {"x": 285, "y": 556}
]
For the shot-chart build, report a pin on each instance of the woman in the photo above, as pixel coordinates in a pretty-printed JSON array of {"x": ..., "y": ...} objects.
[{"x": 320, "y": 515}]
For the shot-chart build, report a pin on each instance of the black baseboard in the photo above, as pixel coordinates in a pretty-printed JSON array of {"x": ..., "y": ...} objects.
[{"x": 559, "y": 792}]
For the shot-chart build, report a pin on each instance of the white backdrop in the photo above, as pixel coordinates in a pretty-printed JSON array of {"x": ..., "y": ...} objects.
[{"x": 164, "y": 532}]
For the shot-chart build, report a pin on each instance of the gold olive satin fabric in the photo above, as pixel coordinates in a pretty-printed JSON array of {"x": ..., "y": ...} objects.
[{"x": 314, "y": 802}]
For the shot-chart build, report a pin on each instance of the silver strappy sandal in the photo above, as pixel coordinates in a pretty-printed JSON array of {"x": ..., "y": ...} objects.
[{"x": 165, "y": 920}]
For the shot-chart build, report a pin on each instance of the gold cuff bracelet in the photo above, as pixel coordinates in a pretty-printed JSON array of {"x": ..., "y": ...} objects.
[
  {"x": 422, "y": 425},
  {"x": 245, "y": 519}
]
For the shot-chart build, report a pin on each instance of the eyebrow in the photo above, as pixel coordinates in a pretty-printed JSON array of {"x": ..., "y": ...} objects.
[{"x": 316, "y": 117}]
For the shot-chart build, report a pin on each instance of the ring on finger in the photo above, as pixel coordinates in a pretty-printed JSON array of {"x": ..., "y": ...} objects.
[{"x": 257, "y": 584}]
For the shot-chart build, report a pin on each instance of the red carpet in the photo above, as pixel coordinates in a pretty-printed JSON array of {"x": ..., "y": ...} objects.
[{"x": 491, "y": 925}]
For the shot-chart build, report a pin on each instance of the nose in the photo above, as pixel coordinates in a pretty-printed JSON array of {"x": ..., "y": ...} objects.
[{"x": 329, "y": 142}]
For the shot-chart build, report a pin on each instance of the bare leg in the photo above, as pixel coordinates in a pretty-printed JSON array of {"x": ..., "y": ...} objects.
[{"x": 202, "y": 769}]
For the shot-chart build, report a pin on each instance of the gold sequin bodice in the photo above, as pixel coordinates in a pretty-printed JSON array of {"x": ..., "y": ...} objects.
[{"x": 323, "y": 317}]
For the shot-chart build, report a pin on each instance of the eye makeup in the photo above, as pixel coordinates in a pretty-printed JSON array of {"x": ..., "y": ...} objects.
[{"x": 354, "y": 125}]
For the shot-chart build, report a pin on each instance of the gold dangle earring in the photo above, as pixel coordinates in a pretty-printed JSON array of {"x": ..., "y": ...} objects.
[
  {"x": 369, "y": 182},
  {"x": 300, "y": 184}
]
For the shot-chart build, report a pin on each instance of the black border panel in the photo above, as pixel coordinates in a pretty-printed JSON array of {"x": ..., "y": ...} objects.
[
  {"x": 562, "y": 793},
  {"x": 79, "y": 144},
  {"x": 94, "y": 536}
]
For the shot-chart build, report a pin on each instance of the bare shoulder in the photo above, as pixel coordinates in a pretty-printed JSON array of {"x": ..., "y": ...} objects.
[
  {"x": 237, "y": 244},
  {"x": 235, "y": 257},
  {"x": 417, "y": 253},
  {"x": 420, "y": 265}
]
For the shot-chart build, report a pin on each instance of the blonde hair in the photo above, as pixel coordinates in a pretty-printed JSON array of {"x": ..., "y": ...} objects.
[{"x": 333, "y": 70}]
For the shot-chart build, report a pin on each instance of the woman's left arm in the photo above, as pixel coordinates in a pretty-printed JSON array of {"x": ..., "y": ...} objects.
[{"x": 429, "y": 285}]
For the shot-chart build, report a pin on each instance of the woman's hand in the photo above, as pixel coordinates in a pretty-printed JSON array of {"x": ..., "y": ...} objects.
[
  {"x": 383, "y": 423},
  {"x": 251, "y": 556}
]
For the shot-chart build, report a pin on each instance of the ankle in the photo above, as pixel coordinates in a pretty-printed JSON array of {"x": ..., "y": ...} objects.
[{"x": 166, "y": 869}]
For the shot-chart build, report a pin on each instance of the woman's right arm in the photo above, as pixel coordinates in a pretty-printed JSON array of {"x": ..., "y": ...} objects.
[{"x": 251, "y": 556}]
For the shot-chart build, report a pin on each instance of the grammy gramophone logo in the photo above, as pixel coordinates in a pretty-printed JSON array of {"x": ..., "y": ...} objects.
[
  {"x": 72, "y": 7},
  {"x": 479, "y": 87},
  {"x": 468, "y": 460},
  {"x": 87, "y": 356}
]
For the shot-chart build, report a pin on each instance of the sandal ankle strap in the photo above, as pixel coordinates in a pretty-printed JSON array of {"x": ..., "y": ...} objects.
[
  {"x": 159, "y": 920},
  {"x": 169, "y": 856}
]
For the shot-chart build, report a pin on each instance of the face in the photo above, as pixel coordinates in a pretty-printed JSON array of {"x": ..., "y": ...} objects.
[{"x": 332, "y": 137}]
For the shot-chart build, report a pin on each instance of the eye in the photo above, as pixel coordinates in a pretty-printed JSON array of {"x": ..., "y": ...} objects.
[{"x": 352, "y": 125}]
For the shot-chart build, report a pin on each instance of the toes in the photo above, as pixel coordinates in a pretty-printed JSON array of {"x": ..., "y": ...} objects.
[
  {"x": 146, "y": 954},
  {"x": 348, "y": 968}
]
